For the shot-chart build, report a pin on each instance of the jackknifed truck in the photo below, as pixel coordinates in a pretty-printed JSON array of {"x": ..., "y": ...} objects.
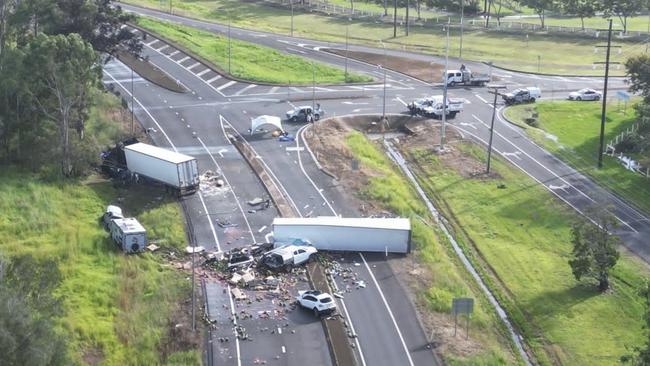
[{"x": 177, "y": 171}]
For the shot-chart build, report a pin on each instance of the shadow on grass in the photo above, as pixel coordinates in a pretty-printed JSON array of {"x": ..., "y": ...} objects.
[
  {"x": 133, "y": 199},
  {"x": 560, "y": 303}
]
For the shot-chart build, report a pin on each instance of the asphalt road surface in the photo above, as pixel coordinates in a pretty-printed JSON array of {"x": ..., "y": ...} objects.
[{"x": 194, "y": 123}]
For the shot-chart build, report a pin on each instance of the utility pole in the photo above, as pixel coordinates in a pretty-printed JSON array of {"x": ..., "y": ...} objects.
[
  {"x": 395, "y": 19},
  {"x": 383, "y": 110},
  {"x": 132, "y": 106},
  {"x": 462, "y": 13},
  {"x": 229, "y": 45},
  {"x": 291, "y": 1},
  {"x": 495, "y": 90},
  {"x": 601, "y": 146},
  {"x": 445, "y": 80},
  {"x": 313, "y": 86},
  {"x": 347, "y": 25}
]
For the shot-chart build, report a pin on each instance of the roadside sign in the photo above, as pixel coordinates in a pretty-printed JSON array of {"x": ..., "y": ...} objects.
[
  {"x": 462, "y": 306},
  {"x": 465, "y": 306},
  {"x": 623, "y": 95}
]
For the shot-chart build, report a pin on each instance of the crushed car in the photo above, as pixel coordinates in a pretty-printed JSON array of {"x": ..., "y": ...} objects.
[{"x": 287, "y": 256}]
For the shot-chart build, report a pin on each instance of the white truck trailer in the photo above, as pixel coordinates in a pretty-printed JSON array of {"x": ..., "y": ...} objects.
[
  {"x": 129, "y": 235},
  {"x": 175, "y": 170},
  {"x": 345, "y": 234}
]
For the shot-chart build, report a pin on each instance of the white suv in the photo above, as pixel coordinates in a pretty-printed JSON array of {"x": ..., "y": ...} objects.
[{"x": 318, "y": 302}]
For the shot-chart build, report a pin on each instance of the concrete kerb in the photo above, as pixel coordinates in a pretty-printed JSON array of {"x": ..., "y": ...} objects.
[
  {"x": 222, "y": 72},
  {"x": 335, "y": 332}
]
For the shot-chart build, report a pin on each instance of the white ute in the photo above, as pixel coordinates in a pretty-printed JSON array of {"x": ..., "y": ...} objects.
[
  {"x": 316, "y": 301},
  {"x": 432, "y": 106},
  {"x": 287, "y": 256}
]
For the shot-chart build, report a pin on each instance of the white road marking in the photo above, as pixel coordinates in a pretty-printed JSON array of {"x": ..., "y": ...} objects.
[
  {"x": 468, "y": 124},
  {"x": 203, "y": 72},
  {"x": 220, "y": 152},
  {"x": 233, "y": 315},
  {"x": 183, "y": 60},
  {"x": 214, "y": 233},
  {"x": 294, "y": 148},
  {"x": 162, "y": 48},
  {"x": 193, "y": 66},
  {"x": 515, "y": 154},
  {"x": 262, "y": 229},
  {"x": 174, "y": 53},
  {"x": 401, "y": 101},
  {"x": 243, "y": 90},
  {"x": 224, "y": 86},
  {"x": 273, "y": 89},
  {"x": 152, "y": 42},
  {"x": 481, "y": 99},
  {"x": 213, "y": 79},
  {"x": 354, "y": 103},
  {"x": 553, "y": 187},
  {"x": 392, "y": 317},
  {"x": 295, "y": 89}
]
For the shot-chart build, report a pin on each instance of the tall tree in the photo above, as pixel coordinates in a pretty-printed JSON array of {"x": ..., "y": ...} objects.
[
  {"x": 638, "y": 73},
  {"x": 65, "y": 69},
  {"x": 539, "y": 6},
  {"x": 594, "y": 248},
  {"x": 623, "y": 9},
  {"x": 580, "y": 8}
]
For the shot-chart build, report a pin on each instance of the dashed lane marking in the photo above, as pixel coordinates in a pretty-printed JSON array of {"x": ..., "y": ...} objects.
[{"x": 224, "y": 86}]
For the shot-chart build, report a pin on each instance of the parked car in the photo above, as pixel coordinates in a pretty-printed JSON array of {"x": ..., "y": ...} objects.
[
  {"x": 301, "y": 113},
  {"x": 287, "y": 256},
  {"x": 316, "y": 301},
  {"x": 432, "y": 107},
  {"x": 585, "y": 94}
]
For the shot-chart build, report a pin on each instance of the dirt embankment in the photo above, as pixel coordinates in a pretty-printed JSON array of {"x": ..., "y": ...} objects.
[{"x": 150, "y": 72}]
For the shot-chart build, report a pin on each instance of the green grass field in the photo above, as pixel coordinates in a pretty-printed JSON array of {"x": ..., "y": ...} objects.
[
  {"x": 638, "y": 23},
  {"x": 576, "y": 126},
  {"x": 117, "y": 308},
  {"x": 504, "y": 49},
  {"x": 249, "y": 61},
  {"x": 523, "y": 234},
  {"x": 449, "y": 279}
]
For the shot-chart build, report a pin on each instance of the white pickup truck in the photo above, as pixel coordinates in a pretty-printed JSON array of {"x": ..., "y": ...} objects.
[
  {"x": 432, "y": 107},
  {"x": 466, "y": 77}
]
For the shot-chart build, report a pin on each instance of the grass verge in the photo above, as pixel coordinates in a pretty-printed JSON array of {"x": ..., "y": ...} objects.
[
  {"x": 570, "y": 130},
  {"x": 522, "y": 237},
  {"x": 250, "y": 61},
  {"x": 448, "y": 278},
  {"x": 118, "y": 309},
  {"x": 506, "y": 49}
]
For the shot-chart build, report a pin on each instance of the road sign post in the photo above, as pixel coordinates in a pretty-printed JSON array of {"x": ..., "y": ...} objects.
[{"x": 462, "y": 306}]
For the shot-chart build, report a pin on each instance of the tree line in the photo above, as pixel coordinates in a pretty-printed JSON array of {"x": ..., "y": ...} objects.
[{"x": 50, "y": 63}]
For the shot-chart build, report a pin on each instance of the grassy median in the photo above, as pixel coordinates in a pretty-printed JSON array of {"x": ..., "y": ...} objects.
[
  {"x": 521, "y": 235},
  {"x": 571, "y": 130},
  {"x": 250, "y": 61},
  {"x": 449, "y": 280},
  {"x": 513, "y": 50},
  {"x": 117, "y": 309}
]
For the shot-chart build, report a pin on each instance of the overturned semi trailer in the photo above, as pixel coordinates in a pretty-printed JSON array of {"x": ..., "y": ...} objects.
[{"x": 391, "y": 235}]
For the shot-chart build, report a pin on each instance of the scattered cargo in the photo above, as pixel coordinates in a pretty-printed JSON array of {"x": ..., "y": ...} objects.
[
  {"x": 178, "y": 171},
  {"x": 391, "y": 235},
  {"x": 287, "y": 256}
]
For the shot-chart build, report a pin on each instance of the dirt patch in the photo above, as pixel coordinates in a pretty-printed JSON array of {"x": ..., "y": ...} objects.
[
  {"x": 180, "y": 337},
  {"x": 93, "y": 356},
  {"x": 150, "y": 72},
  {"x": 423, "y": 70}
]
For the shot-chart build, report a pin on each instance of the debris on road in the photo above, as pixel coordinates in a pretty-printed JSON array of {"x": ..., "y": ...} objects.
[{"x": 191, "y": 249}]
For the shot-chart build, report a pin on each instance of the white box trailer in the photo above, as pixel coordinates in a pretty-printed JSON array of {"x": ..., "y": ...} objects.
[
  {"x": 345, "y": 234},
  {"x": 178, "y": 171},
  {"x": 129, "y": 235}
]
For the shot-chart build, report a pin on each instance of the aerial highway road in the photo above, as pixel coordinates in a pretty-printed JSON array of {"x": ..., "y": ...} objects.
[{"x": 197, "y": 123}]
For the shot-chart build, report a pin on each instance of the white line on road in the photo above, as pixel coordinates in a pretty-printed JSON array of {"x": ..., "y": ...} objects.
[
  {"x": 481, "y": 99},
  {"x": 233, "y": 314},
  {"x": 174, "y": 53},
  {"x": 162, "y": 48},
  {"x": 203, "y": 72},
  {"x": 392, "y": 317},
  {"x": 213, "y": 79},
  {"x": 152, "y": 42},
  {"x": 193, "y": 66},
  {"x": 273, "y": 89},
  {"x": 401, "y": 101},
  {"x": 262, "y": 229},
  {"x": 183, "y": 59},
  {"x": 207, "y": 214},
  {"x": 243, "y": 90},
  {"x": 224, "y": 86}
]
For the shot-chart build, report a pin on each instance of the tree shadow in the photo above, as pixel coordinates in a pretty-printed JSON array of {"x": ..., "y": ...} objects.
[
  {"x": 560, "y": 303},
  {"x": 133, "y": 199}
]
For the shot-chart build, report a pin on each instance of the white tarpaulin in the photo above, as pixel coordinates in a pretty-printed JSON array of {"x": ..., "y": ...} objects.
[{"x": 263, "y": 120}]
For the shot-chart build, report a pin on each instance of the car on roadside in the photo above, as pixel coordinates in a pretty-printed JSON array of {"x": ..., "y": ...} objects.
[
  {"x": 522, "y": 95},
  {"x": 585, "y": 94},
  {"x": 316, "y": 301},
  {"x": 303, "y": 113}
]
